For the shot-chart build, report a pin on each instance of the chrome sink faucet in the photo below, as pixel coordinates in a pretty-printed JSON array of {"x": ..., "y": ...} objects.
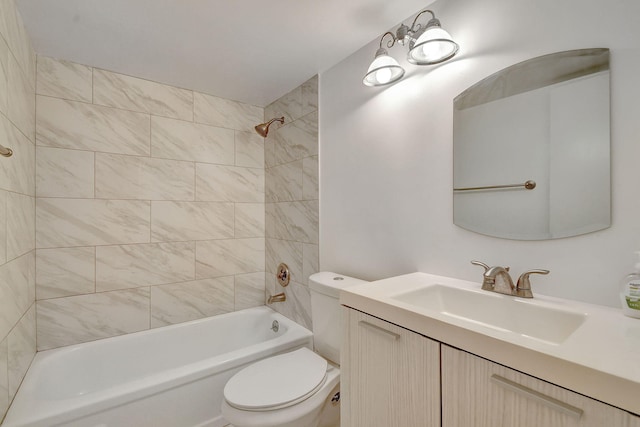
[{"x": 497, "y": 279}]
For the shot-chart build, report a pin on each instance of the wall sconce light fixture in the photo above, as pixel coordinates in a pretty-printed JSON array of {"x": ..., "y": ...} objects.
[
  {"x": 384, "y": 69},
  {"x": 428, "y": 45}
]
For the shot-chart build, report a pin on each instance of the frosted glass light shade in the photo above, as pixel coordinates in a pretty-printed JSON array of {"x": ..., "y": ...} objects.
[
  {"x": 383, "y": 70},
  {"x": 433, "y": 46}
]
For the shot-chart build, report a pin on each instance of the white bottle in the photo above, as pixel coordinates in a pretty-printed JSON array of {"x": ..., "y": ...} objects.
[{"x": 630, "y": 292}]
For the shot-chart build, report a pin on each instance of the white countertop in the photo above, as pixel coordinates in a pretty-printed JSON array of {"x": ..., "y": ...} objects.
[{"x": 601, "y": 359}]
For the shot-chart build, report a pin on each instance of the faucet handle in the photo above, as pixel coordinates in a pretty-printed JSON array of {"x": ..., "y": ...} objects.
[
  {"x": 488, "y": 282},
  {"x": 523, "y": 287},
  {"x": 485, "y": 266},
  {"x": 481, "y": 264}
]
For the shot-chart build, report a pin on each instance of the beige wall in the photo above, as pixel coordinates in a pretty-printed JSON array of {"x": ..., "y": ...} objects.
[
  {"x": 291, "y": 194},
  {"x": 150, "y": 204},
  {"x": 17, "y": 204}
]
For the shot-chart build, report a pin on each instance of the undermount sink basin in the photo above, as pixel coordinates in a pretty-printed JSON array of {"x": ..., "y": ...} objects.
[{"x": 528, "y": 318}]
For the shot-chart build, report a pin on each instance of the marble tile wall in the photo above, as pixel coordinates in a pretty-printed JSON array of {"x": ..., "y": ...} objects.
[
  {"x": 150, "y": 205},
  {"x": 17, "y": 203},
  {"x": 291, "y": 196}
]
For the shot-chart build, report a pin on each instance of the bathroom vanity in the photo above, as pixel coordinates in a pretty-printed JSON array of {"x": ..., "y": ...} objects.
[{"x": 426, "y": 350}]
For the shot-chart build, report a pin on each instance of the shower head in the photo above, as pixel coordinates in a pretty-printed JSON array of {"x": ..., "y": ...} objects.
[{"x": 263, "y": 128}]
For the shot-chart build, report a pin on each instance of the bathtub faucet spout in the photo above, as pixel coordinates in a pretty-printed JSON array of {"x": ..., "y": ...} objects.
[{"x": 281, "y": 297}]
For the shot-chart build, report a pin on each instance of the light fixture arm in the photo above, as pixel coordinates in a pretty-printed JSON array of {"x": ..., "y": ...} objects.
[
  {"x": 404, "y": 34},
  {"x": 415, "y": 21},
  {"x": 391, "y": 42}
]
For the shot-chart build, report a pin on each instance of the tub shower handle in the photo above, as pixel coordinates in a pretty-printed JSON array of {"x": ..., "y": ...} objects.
[{"x": 283, "y": 275}]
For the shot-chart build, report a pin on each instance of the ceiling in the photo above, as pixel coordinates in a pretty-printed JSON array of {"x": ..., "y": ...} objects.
[{"x": 252, "y": 51}]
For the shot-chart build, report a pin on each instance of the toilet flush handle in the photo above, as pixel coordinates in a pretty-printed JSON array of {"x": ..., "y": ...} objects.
[{"x": 335, "y": 399}]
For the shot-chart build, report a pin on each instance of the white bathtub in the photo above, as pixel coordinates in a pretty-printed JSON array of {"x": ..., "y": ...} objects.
[{"x": 166, "y": 377}]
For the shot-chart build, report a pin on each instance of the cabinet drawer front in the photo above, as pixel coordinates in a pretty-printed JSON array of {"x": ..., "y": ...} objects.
[
  {"x": 480, "y": 393},
  {"x": 390, "y": 375}
]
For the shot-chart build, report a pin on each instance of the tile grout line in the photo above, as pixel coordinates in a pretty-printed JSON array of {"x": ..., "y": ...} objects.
[
  {"x": 92, "y": 85},
  {"x": 95, "y": 269},
  {"x": 183, "y": 282}
]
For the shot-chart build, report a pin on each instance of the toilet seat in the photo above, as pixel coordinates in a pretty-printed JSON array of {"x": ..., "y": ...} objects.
[{"x": 277, "y": 382}]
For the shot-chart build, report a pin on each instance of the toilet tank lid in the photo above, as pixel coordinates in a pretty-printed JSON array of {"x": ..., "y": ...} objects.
[{"x": 329, "y": 283}]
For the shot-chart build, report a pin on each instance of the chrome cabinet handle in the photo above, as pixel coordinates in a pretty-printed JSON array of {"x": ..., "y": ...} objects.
[
  {"x": 552, "y": 403},
  {"x": 378, "y": 329}
]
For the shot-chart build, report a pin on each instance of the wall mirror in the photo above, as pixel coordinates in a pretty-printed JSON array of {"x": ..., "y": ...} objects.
[{"x": 531, "y": 149}]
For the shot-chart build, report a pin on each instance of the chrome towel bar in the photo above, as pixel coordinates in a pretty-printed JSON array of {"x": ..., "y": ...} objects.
[{"x": 529, "y": 185}]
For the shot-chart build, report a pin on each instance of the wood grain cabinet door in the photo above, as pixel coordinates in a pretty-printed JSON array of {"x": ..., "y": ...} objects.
[
  {"x": 480, "y": 393},
  {"x": 390, "y": 375}
]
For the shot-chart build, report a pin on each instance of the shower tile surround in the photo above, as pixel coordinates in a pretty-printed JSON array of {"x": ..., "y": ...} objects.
[
  {"x": 291, "y": 195},
  {"x": 17, "y": 203},
  {"x": 150, "y": 205}
]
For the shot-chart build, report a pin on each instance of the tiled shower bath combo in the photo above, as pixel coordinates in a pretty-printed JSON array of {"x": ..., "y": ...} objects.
[{"x": 130, "y": 205}]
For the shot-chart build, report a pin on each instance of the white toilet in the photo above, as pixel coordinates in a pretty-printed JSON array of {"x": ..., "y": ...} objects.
[{"x": 299, "y": 388}]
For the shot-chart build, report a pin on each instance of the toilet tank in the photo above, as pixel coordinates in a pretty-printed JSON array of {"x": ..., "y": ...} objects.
[{"x": 325, "y": 311}]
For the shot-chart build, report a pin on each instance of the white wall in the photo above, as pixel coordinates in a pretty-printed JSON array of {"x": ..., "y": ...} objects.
[{"x": 386, "y": 154}]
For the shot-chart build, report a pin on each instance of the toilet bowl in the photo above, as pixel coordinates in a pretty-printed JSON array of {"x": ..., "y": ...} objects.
[
  {"x": 279, "y": 391},
  {"x": 300, "y": 388}
]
